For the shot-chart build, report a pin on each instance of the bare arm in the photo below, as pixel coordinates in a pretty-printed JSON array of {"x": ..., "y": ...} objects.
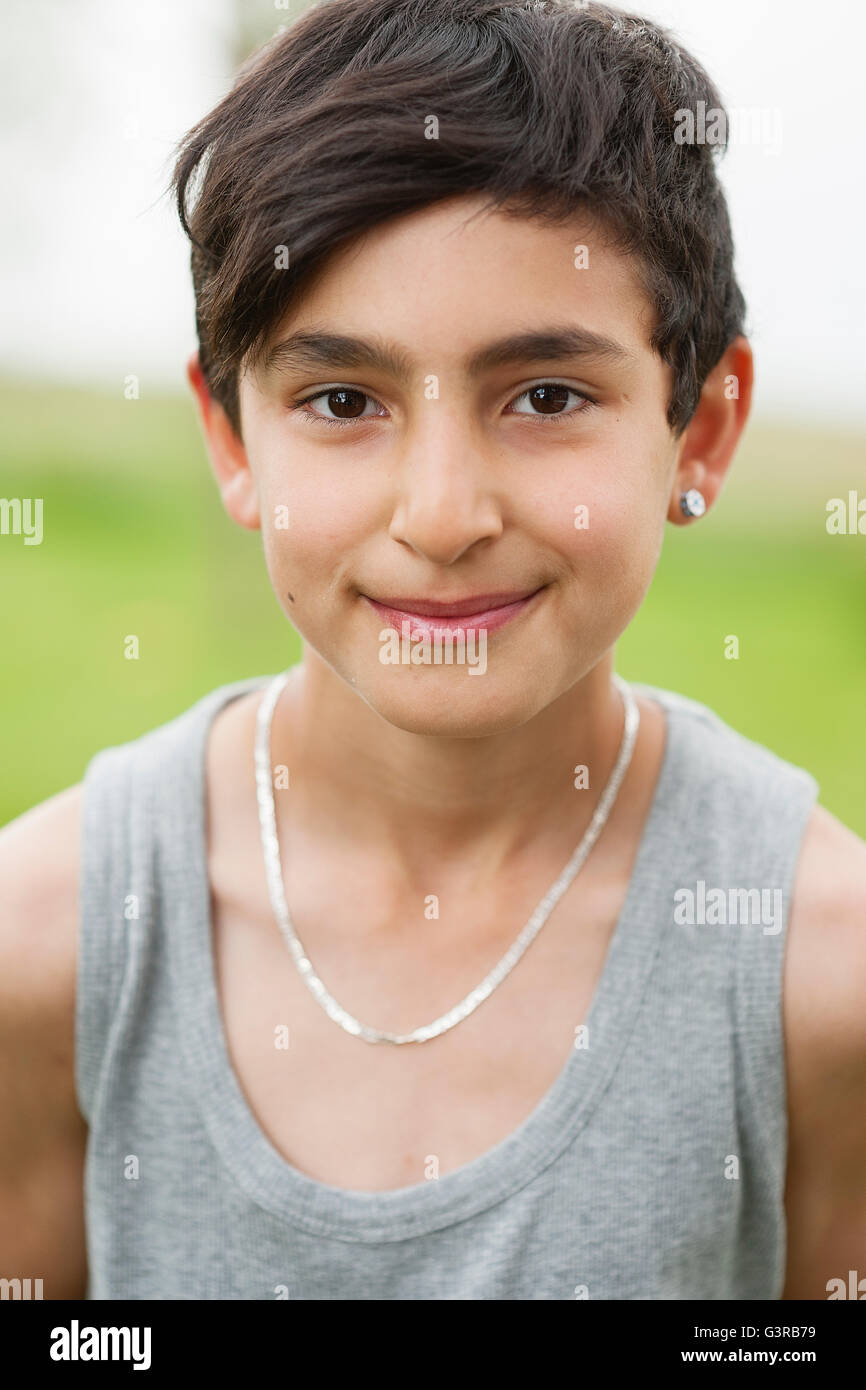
[
  {"x": 42, "y": 1133},
  {"x": 825, "y": 1028}
]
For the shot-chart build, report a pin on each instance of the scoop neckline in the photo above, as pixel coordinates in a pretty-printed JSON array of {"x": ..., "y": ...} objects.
[{"x": 319, "y": 1208}]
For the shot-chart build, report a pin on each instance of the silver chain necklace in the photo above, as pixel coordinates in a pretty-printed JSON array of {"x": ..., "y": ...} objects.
[{"x": 274, "y": 873}]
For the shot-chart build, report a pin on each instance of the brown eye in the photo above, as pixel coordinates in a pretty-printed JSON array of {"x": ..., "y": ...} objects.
[
  {"x": 549, "y": 400},
  {"x": 345, "y": 404}
]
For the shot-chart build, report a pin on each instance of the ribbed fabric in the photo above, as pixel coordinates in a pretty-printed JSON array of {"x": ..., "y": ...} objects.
[{"x": 653, "y": 1168}]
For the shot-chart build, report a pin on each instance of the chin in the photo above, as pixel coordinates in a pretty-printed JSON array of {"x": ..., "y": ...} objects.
[{"x": 453, "y": 703}]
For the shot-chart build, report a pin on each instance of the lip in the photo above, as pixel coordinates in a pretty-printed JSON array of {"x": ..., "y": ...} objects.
[{"x": 487, "y": 611}]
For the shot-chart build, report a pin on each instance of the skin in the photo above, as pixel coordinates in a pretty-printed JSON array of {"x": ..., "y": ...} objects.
[{"x": 412, "y": 780}]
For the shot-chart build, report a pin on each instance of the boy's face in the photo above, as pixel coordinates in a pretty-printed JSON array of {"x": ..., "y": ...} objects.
[{"x": 449, "y": 479}]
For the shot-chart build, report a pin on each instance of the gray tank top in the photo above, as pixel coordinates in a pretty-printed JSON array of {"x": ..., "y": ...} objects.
[{"x": 653, "y": 1167}]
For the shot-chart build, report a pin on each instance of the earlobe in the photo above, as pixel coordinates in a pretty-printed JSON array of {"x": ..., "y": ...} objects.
[
  {"x": 228, "y": 457},
  {"x": 241, "y": 499}
]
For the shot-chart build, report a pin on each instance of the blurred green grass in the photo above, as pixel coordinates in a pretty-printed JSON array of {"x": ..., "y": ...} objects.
[{"x": 136, "y": 541}]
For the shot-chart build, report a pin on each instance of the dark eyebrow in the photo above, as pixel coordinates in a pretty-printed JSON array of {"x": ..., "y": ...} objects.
[
  {"x": 545, "y": 343},
  {"x": 312, "y": 349}
]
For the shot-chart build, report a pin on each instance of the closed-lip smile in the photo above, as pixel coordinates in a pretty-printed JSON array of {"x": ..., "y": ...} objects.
[{"x": 488, "y": 611}]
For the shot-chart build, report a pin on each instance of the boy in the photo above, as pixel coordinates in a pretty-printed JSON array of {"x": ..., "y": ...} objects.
[{"x": 483, "y": 977}]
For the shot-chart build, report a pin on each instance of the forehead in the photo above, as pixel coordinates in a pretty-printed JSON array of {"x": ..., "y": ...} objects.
[{"x": 446, "y": 279}]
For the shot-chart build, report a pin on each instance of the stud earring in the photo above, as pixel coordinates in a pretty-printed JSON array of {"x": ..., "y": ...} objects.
[{"x": 692, "y": 503}]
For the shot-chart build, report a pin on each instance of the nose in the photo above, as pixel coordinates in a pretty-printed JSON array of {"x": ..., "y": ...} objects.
[{"x": 447, "y": 498}]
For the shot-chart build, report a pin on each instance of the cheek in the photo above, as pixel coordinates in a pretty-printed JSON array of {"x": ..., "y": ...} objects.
[
  {"x": 308, "y": 529},
  {"x": 334, "y": 495},
  {"x": 606, "y": 522},
  {"x": 304, "y": 562}
]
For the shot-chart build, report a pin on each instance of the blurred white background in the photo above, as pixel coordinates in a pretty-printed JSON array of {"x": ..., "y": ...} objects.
[{"x": 94, "y": 269}]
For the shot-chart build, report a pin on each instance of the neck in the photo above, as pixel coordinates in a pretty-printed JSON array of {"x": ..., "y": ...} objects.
[{"x": 427, "y": 799}]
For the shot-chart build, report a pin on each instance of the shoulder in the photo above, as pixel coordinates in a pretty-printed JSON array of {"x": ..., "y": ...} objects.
[
  {"x": 43, "y": 858},
  {"x": 825, "y": 971},
  {"x": 129, "y": 785},
  {"x": 702, "y": 724},
  {"x": 749, "y": 785},
  {"x": 824, "y": 1005},
  {"x": 42, "y": 1132},
  {"x": 39, "y": 873}
]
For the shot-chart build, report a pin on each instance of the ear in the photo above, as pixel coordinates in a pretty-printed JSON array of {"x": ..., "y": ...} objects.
[
  {"x": 228, "y": 457},
  {"x": 709, "y": 441}
]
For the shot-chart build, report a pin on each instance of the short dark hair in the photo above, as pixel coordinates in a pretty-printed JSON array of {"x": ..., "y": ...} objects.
[{"x": 549, "y": 107}]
